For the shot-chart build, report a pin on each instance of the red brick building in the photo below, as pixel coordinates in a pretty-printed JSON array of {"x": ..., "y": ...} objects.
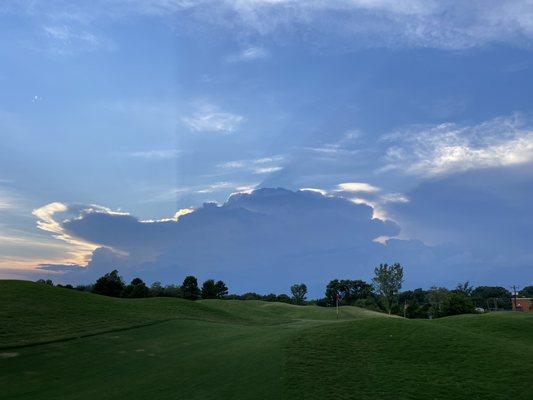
[{"x": 523, "y": 304}]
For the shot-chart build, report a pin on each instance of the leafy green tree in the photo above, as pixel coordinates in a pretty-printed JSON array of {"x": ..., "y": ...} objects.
[
  {"x": 111, "y": 284},
  {"x": 214, "y": 290},
  {"x": 283, "y": 298},
  {"x": 457, "y": 303},
  {"x": 435, "y": 298},
  {"x": 388, "y": 281},
  {"x": 172, "y": 291},
  {"x": 415, "y": 303},
  {"x": 270, "y": 297},
  {"x": 157, "y": 290},
  {"x": 349, "y": 290},
  {"x": 526, "y": 292},
  {"x": 333, "y": 289},
  {"x": 221, "y": 289},
  {"x": 209, "y": 290},
  {"x": 491, "y": 297},
  {"x": 136, "y": 289},
  {"x": 189, "y": 288},
  {"x": 464, "y": 288},
  {"x": 299, "y": 292}
]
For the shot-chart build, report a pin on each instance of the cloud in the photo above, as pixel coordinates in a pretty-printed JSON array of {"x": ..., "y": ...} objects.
[
  {"x": 51, "y": 217},
  {"x": 449, "y": 148},
  {"x": 258, "y": 166},
  {"x": 267, "y": 170},
  {"x": 315, "y": 190},
  {"x": 216, "y": 186},
  {"x": 208, "y": 119},
  {"x": 248, "y": 240},
  {"x": 155, "y": 154},
  {"x": 267, "y": 239},
  {"x": 69, "y": 39},
  {"x": 488, "y": 211},
  {"x": 452, "y": 24},
  {"x": 357, "y": 187},
  {"x": 248, "y": 54}
]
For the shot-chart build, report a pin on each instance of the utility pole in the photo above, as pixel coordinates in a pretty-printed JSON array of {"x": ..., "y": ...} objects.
[{"x": 515, "y": 288}]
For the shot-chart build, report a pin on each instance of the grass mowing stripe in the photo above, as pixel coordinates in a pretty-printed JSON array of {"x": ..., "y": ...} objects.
[{"x": 404, "y": 359}]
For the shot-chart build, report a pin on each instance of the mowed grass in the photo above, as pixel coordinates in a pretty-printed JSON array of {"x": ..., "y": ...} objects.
[{"x": 176, "y": 349}]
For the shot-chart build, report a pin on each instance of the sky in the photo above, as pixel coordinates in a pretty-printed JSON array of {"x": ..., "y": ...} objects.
[{"x": 267, "y": 142}]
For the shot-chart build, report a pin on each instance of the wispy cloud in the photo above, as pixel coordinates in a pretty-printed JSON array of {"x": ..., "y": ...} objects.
[
  {"x": 248, "y": 54},
  {"x": 258, "y": 166},
  {"x": 401, "y": 23},
  {"x": 208, "y": 118},
  {"x": 267, "y": 170},
  {"x": 447, "y": 148},
  {"x": 69, "y": 38},
  {"x": 155, "y": 154}
]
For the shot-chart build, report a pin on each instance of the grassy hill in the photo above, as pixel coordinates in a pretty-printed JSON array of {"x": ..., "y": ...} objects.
[{"x": 59, "y": 343}]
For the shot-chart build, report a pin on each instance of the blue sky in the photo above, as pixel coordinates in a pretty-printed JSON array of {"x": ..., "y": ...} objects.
[{"x": 419, "y": 111}]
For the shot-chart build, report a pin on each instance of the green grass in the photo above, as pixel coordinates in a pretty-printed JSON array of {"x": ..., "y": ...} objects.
[{"x": 176, "y": 349}]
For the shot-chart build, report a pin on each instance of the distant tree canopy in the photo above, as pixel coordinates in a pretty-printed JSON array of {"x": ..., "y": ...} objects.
[
  {"x": 457, "y": 303},
  {"x": 491, "y": 297},
  {"x": 111, "y": 284},
  {"x": 388, "y": 281},
  {"x": 464, "y": 288},
  {"x": 526, "y": 292},
  {"x": 418, "y": 303},
  {"x": 213, "y": 290},
  {"x": 349, "y": 291},
  {"x": 189, "y": 288},
  {"x": 136, "y": 289},
  {"x": 299, "y": 293}
]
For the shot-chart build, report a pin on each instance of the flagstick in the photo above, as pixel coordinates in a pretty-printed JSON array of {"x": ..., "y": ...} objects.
[{"x": 337, "y": 307}]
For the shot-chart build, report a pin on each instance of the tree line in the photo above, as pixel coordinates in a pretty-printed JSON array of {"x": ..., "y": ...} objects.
[{"x": 382, "y": 294}]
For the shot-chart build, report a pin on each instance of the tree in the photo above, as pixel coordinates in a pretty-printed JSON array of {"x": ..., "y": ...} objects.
[
  {"x": 435, "y": 298},
  {"x": 283, "y": 298},
  {"x": 388, "y": 282},
  {"x": 189, "y": 288},
  {"x": 464, "y": 288},
  {"x": 46, "y": 282},
  {"x": 111, "y": 284},
  {"x": 221, "y": 289},
  {"x": 333, "y": 290},
  {"x": 212, "y": 290},
  {"x": 136, "y": 289},
  {"x": 157, "y": 290},
  {"x": 349, "y": 291},
  {"x": 491, "y": 297},
  {"x": 526, "y": 292},
  {"x": 299, "y": 292},
  {"x": 457, "y": 303},
  {"x": 209, "y": 290}
]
